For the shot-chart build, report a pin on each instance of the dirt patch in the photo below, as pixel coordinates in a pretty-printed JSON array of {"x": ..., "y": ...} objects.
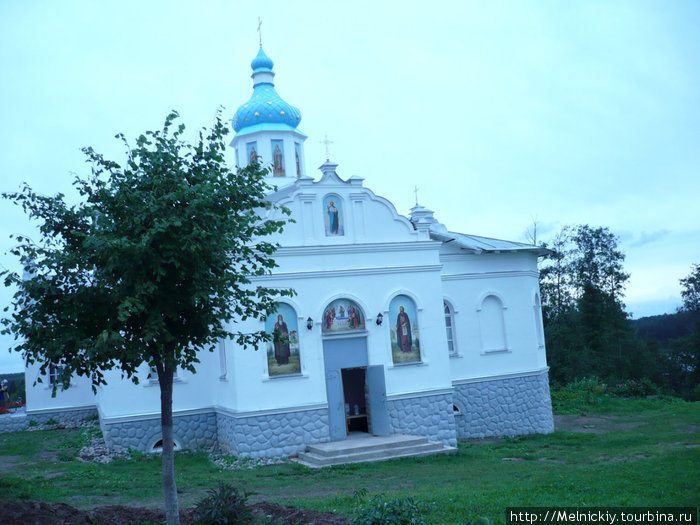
[
  {"x": 615, "y": 459},
  {"x": 10, "y": 462},
  {"x": 593, "y": 425},
  {"x": 41, "y": 513}
]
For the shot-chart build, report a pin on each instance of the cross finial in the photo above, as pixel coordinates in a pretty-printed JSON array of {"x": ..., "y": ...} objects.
[
  {"x": 259, "y": 31},
  {"x": 415, "y": 190},
  {"x": 327, "y": 143}
]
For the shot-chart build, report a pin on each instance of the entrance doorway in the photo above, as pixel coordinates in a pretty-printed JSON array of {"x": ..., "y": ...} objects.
[
  {"x": 355, "y": 401},
  {"x": 356, "y": 392}
]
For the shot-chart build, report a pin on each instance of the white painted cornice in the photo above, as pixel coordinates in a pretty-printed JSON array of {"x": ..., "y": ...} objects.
[
  {"x": 383, "y": 247},
  {"x": 348, "y": 272},
  {"x": 489, "y": 275},
  {"x": 500, "y": 377}
]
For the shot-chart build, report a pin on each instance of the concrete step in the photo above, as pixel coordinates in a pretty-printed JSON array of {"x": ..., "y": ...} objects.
[
  {"x": 364, "y": 443},
  {"x": 370, "y": 448}
]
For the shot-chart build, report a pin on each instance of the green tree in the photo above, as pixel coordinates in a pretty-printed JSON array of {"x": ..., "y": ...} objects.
[
  {"x": 690, "y": 292},
  {"x": 151, "y": 266},
  {"x": 582, "y": 282},
  {"x": 685, "y": 352}
]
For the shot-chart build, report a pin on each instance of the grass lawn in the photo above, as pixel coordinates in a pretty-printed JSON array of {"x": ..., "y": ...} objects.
[{"x": 622, "y": 453}]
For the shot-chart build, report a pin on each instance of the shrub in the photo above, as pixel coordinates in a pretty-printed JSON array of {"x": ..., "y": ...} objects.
[
  {"x": 381, "y": 510},
  {"x": 225, "y": 505},
  {"x": 579, "y": 394},
  {"x": 635, "y": 388}
]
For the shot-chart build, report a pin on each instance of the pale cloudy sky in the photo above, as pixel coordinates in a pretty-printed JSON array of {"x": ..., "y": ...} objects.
[{"x": 585, "y": 111}]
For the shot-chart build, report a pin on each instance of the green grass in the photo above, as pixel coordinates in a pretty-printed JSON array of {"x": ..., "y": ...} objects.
[{"x": 644, "y": 456}]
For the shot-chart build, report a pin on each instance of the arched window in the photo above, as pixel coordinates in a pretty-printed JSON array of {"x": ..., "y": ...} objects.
[
  {"x": 222, "y": 360},
  {"x": 492, "y": 323},
  {"x": 450, "y": 328}
]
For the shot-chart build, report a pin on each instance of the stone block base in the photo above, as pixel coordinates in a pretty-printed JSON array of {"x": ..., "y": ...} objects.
[
  {"x": 431, "y": 416},
  {"x": 190, "y": 431},
  {"x": 507, "y": 406},
  {"x": 272, "y": 434}
]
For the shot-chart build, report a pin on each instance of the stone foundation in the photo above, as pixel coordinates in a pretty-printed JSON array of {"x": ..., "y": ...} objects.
[
  {"x": 503, "y": 406},
  {"x": 272, "y": 434},
  {"x": 13, "y": 422},
  {"x": 258, "y": 435},
  {"x": 191, "y": 431},
  {"x": 431, "y": 416},
  {"x": 507, "y": 406}
]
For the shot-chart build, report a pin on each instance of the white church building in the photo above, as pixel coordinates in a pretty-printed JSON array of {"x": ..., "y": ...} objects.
[{"x": 398, "y": 325}]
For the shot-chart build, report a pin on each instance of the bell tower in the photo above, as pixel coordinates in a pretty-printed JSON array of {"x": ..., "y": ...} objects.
[{"x": 266, "y": 128}]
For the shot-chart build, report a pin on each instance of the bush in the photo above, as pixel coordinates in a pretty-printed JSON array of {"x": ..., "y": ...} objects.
[
  {"x": 225, "y": 505},
  {"x": 381, "y": 510},
  {"x": 635, "y": 388},
  {"x": 579, "y": 394}
]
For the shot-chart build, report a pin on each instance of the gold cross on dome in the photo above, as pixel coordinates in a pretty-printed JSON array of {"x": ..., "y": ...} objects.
[
  {"x": 259, "y": 31},
  {"x": 327, "y": 143}
]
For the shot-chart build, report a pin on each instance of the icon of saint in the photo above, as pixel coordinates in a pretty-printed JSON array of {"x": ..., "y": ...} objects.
[
  {"x": 403, "y": 331},
  {"x": 280, "y": 339},
  {"x": 332, "y": 218},
  {"x": 277, "y": 162}
]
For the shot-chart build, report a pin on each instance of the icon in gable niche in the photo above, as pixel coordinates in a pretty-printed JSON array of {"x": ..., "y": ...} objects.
[
  {"x": 405, "y": 341},
  {"x": 333, "y": 216},
  {"x": 283, "y": 351},
  {"x": 342, "y": 315}
]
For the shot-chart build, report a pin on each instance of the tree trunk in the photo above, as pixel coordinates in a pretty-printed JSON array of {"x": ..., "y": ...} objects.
[{"x": 165, "y": 378}]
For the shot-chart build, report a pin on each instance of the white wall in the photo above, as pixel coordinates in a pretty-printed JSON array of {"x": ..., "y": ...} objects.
[
  {"x": 512, "y": 277},
  {"x": 39, "y": 397}
]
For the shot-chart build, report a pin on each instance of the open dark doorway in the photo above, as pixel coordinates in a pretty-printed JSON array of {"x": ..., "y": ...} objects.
[{"x": 355, "y": 402}]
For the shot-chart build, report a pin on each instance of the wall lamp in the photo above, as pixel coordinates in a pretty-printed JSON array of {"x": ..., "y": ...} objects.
[
  {"x": 309, "y": 323},
  {"x": 380, "y": 318}
]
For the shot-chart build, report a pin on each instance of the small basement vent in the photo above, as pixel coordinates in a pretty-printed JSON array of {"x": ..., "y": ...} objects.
[{"x": 157, "y": 447}]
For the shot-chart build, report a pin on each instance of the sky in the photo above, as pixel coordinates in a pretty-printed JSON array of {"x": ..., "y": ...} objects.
[{"x": 501, "y": 113}]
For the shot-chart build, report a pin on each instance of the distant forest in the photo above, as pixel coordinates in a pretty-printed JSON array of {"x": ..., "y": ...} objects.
[
  {"x": 663, "y": 328},
  {"x": 589, "y": 334}
]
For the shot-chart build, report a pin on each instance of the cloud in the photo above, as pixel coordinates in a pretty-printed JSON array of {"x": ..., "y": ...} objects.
[{"x": 648, "y": 238}]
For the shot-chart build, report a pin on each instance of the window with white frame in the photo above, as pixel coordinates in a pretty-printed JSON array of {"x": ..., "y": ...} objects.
[
  {"x": 153, "y": 375},
  {"x": 450, "y": 328},
  {"x": 54, "y": 374}
]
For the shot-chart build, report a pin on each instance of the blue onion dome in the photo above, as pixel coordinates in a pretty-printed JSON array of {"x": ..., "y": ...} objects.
[
  {"x": 265, "y": 107},
  {"x": 262, "y": 61}
]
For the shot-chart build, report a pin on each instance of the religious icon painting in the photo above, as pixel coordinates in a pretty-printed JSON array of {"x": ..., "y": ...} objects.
[
  {"x": 404, "y": 334},
  {"x": 333, "y": 216},
  {"x": 342, "y": 315},
  {"x": 277, "y": 147},
  {"x": 283, "y": 351},
  {"x": 252, "y": 150},
  {"x": 297, "y": 157}
]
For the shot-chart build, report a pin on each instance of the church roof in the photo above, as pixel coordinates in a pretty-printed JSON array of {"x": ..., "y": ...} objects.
[
  {"x": 480, "y": 244},
  {"x": 265, "y": 105}
]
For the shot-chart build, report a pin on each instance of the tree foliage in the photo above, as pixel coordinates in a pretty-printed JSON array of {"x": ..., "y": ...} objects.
[
  {"x": 690, "y": 290},
  {"x": 151, "y": 266},
  {"x": 587, "y": 329},
  {"x": 582, "y": 283}
]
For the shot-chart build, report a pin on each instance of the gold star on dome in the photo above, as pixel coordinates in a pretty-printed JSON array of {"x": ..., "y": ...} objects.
[{"x": 257, "y": 114}]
